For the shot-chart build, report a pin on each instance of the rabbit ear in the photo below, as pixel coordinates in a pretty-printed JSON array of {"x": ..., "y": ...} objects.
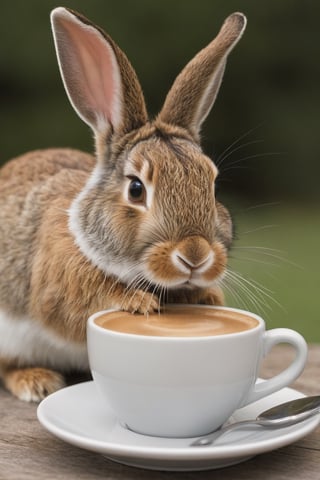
[
  {"x": 100, "y": 82},
  {"x": 195, "y": 89}
]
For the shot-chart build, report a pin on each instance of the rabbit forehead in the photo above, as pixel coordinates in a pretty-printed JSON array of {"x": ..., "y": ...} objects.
[{"x": 157, "y": 158}]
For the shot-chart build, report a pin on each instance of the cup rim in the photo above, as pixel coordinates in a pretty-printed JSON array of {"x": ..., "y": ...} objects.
[{"x": 105, "y": 331}]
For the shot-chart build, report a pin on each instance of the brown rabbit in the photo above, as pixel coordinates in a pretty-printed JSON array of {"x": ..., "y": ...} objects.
[{"x": 134, "y": 227}]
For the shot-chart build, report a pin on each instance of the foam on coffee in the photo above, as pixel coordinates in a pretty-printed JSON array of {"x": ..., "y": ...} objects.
[{"x": 178, "y": 321}]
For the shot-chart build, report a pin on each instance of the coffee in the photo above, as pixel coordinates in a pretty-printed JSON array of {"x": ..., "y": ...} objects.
[
  {"x": 178, "y": 321},
  {"x": 184, "y": 386}
]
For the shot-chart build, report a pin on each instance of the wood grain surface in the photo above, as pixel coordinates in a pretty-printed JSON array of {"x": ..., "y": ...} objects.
[{"x": 28, "y": 451}]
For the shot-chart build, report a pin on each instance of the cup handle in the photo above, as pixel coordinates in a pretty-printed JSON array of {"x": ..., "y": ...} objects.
[{"x": 287, "y": 376}]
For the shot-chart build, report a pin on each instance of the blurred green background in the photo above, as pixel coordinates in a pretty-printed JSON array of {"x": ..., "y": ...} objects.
[{"x": 263, "y": 131}]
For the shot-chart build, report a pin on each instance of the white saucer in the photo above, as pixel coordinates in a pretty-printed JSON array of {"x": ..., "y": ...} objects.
[{"x": 78, "y": 416}]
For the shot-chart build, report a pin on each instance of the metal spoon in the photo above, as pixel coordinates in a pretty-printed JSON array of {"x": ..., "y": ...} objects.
[{"x": 282, "y": 415}]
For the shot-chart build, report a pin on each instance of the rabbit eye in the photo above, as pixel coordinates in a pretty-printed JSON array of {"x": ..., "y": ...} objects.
[{"x": 136, "y": 191}]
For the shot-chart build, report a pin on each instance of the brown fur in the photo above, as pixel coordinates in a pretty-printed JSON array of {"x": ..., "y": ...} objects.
[
  {"x": 25, "y": 190},
  {"x": 32, "y": 384},
  {"x": 64, "y": 298},
  {"x": 66, "y": 224},
  {"x": 199, "y": 72}
]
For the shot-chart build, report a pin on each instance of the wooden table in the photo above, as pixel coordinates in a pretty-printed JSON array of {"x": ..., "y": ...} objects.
[{"x": 28, "y": 451}]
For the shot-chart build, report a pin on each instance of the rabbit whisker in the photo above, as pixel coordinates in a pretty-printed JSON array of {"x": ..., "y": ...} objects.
[
  {"x": 231, "y": 165},
  {"x": 113, "y": 285},
  {"x": 221, "y": 159},
  {"x": 255, "y": 298},
  {"x": 255, "y": 260},
  {"x": 262, "y": 205},
  {"x": 237, "y": 285},
  {"x": 269, "y": 252},
  {"x": 260, "y": 291},
  {"x": 258, "y": 229},
  {"x": 135, "y": 284},
  {"x": 244, "y": 135}
]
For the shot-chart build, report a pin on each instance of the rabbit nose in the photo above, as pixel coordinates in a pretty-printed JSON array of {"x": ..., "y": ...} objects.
[
  {"x": 193, "y": 253},
  {"x": 191, "y": 266}
]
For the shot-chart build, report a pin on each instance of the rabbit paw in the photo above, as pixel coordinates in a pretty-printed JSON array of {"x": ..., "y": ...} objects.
[
  {"x": 210, "y": 296},
  {"x": 141, "y": 302},
  {"x": 32, "y": 384}
]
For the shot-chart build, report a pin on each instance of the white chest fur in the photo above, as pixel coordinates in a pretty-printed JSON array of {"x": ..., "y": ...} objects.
[{"x": 31, "y": 344}]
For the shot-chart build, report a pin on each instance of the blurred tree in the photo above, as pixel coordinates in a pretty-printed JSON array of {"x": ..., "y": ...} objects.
[{"x": 269, "y": 99}]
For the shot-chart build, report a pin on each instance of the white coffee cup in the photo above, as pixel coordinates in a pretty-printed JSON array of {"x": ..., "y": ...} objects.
[{"x": 186, "y": 386}]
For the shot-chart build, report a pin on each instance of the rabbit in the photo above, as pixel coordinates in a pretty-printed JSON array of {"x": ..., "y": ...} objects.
[{"x": 130, "y": 228}]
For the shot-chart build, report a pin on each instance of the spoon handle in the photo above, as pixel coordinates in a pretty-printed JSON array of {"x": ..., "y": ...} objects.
[{"x": 209, "y": 439}]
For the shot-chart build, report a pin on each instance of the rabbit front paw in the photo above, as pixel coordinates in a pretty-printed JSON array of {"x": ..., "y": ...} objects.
[
  {"x": 32, "y": 384},
  {"x": 140, "y": 302},
  {"x": 213, "y": 296},
  {"x": 209, "y": 296}
]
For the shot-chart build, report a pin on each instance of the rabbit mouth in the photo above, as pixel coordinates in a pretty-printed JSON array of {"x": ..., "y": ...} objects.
[{"x": 191, "y": 263}]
